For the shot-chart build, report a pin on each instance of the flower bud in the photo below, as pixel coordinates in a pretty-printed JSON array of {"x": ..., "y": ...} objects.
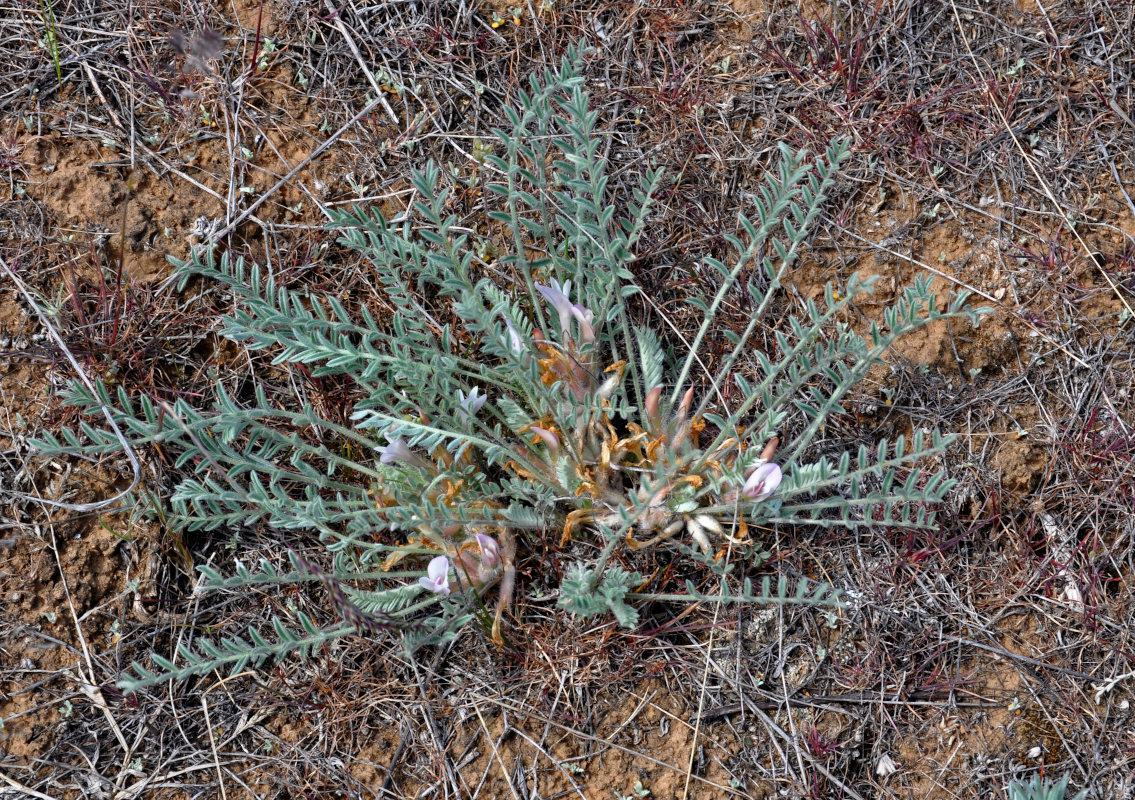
[
  {"x": 653, "y": 414},
  {"x": 551, "y": 441}
]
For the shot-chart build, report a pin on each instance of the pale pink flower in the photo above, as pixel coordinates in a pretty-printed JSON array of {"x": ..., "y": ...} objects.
[
  {"x": 490, "y": 553},
  {"x": 762, "y": 482},
  {"x": 436, "y": 578},
  {"x": 478, "y": 566}
]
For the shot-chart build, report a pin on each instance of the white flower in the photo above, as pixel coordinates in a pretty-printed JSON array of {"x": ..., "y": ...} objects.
[
  {"x": 471, "y": 403},
  {"x": 762, "y": 482},
  {"x": 399, "y": 452},
  {"x": 438, "y": 576},
  {"x": 515, "y": 343}
]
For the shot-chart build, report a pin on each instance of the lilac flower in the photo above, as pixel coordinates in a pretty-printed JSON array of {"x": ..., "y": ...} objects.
[
  {"x": 471, "y": 403},
  {"x": 490, "y": 553},
  {"x": 762, "y": 482},
  {"x": 438, "y": 576},
  {"x": 557, "y": 296},
  {"x": 399, "y": 452},
  {"x": 478, "y": 566}
]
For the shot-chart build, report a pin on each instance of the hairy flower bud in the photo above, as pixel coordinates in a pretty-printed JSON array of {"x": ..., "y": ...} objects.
[
  {"x": 551, "y": 441},
  {"x": 653, "y": 414}
]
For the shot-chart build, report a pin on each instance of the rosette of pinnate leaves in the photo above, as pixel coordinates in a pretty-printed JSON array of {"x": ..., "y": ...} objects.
[{"x": 544, "y": 406}]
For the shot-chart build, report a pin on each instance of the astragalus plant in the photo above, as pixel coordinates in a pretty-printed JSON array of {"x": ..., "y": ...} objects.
[
  {"x": 1042, "y": 789},
  {"x": 543, "y": 406}
]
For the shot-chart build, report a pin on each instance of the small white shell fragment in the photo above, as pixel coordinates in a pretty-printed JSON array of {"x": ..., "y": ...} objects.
[
  {"x": 885, "y": 766},
  {"x": 1072, "y": 594},
  {"x": 1034, "y": 752}
]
